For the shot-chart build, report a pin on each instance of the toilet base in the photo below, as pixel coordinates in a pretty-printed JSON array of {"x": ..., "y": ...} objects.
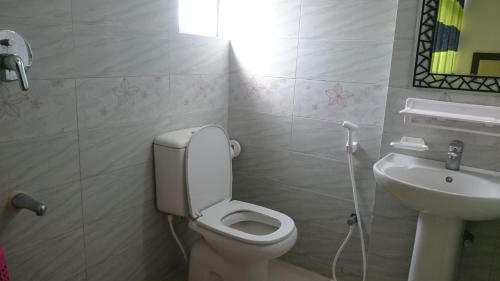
[{"x": 205, "y": 264}]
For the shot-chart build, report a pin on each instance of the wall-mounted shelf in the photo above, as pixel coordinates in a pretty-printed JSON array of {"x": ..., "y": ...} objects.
[{"x": 470, "y": 118}]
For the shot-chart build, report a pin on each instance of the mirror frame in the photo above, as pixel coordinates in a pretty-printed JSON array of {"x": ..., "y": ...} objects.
[{"x": 422, "y": 78}]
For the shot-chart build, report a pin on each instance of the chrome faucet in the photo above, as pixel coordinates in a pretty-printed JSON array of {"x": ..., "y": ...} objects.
[{"x": 455, "y": 150}]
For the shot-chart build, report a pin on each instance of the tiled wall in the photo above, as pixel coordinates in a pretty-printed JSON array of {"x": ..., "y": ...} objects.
[
  {"x": 393, "y": 227},
  {"x": 107, "y": 76},
  {"x": 298, "y": 71}
]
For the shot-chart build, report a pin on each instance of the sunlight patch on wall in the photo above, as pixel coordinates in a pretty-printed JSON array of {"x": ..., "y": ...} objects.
[
  {"x": 253, "y": 27},
  {"x": 249, "y": 19},
  {"x": 199, "y": 17}
]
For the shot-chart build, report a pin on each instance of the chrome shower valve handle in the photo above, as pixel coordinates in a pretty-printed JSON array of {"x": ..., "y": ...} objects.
[{"x": 15, "y": 63}]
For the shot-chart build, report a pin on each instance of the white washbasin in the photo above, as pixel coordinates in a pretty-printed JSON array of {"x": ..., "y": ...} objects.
[
  {"x": 445, "y": 200},
  {"x": 420, "y": 184}
]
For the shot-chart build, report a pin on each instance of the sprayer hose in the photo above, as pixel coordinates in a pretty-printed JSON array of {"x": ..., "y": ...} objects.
[
  {"x": 352, "y": 227},
  {"x": 339, "y": 252}
]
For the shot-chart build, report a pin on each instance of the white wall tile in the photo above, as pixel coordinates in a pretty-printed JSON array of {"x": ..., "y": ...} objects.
[
  {"x": 36, "y": 11},
  {"x": 360, "y": 103},
  {"x": 263, "y": 163},
  {"x": 261, "y": 130},
  {"x": 402, "y": 67},
  {"x": 276, "y": 57},
  {"x": 46, "y": 109},
  {"x": 407, "y": 19},
  {"x": 39, "y": 162},
  {"x": 110, "y": 53},
  {"x": 344, "y": 61},
  {"x": 276, "y": 19},
  {"x": 131, "y": 188},
  {"x": 261, "y": 94},
  {"x": 104, "y": 102},
  {"x": 108, "y": 149},
  {"x": 63, "y": 259},
  {"x": 191, "y": 54},
  {"x": 190, "y": 93},
  {"x": 348, "y": 20},
  {"x": 143, "y": 16}
]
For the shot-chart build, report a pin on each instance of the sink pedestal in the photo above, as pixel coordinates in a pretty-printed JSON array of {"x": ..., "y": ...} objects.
[{"x": 437, "y": 248}]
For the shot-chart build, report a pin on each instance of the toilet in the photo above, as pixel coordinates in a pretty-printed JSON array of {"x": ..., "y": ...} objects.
[{"x": 194, "y": 179}]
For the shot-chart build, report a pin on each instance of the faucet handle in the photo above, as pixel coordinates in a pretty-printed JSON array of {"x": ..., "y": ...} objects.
[
  {"x": 15, "y": 63},
  {"x": 452, "y": 155}
]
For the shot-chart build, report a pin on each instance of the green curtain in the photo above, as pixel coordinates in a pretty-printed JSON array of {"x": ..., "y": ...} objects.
[{"x": 448, "y": 27}]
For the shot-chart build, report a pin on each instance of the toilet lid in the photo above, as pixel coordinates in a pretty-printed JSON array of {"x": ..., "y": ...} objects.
[{"x": 208, "y": 169}]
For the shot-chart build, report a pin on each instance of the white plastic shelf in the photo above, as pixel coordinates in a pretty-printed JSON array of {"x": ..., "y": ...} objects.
[{"x": 471, "y": 118}]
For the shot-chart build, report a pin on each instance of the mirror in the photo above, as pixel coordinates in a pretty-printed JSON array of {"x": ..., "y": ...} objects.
[{"x": 459, "y": 46}]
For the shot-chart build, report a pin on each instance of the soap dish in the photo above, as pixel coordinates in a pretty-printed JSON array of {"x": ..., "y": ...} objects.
[{"x": 409, "y": 143}]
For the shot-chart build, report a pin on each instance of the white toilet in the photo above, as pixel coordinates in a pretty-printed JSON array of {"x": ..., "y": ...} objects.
[{"x": 194, "y": 179}]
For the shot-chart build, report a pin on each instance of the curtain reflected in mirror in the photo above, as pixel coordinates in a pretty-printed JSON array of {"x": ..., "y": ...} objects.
[{"x": 466, "y": 40}]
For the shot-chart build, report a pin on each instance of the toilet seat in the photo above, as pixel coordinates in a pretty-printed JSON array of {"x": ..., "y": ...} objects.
[
  {"x": 209, "y": 190},
  {"x": 213, "y": 218}
]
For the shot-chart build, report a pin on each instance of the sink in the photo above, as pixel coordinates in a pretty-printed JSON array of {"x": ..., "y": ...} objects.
[
  {"x": 426, "y": 186},
  {"x": 445, "y": 199}
]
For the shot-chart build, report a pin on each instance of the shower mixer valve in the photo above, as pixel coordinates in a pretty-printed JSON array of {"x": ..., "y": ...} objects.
[{"x": 15, "y": 58}]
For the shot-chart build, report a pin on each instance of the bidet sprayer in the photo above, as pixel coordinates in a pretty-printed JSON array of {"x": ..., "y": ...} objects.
[{"x": 352, "y": 142}]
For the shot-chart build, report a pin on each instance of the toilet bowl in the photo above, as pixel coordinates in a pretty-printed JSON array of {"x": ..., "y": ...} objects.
[
  {"x": 246, "y": 232},
  {"x": 194, "y": 179},
  {"x": 241, "y": 239}
]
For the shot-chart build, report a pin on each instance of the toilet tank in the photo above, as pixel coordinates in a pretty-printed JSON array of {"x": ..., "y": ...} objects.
[{"x": 169, "y": 157}]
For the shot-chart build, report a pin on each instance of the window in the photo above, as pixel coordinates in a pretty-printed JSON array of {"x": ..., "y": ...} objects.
[{"x": 199, "y": 17}]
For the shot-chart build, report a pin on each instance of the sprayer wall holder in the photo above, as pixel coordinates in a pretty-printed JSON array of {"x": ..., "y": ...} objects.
[{"x": 353, "y": 147}]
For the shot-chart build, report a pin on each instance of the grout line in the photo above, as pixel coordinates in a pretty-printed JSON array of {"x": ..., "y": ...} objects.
[
  {"x": 81, "y": 186},
  {"x": 80, "y": 181},
  {"x": 295, "y": 74},
  {"x": 383, "y": 82},
  {"x": 333, "y": 40},
  {"x": 293, "y": 187},
  {"x": 85, "y": 262},
  {"x": 40, "y": 136},
  {"x": 115, "y": 170},
  {"x": 243, "y": 110}
]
